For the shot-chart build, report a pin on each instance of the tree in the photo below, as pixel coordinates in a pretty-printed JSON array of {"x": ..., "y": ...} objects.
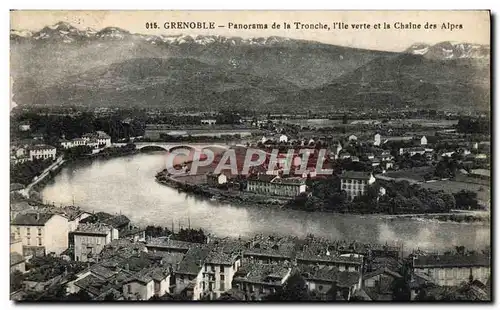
[{"x": 295, "y": 290}]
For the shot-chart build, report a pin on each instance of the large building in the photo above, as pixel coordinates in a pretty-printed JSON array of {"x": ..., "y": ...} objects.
[
  {"x": 257, "y": 280},
  {"x": 41, "y": 151},
  {"x": 355, "y": 183},
  {"x": 275, "y": 185},
  {"x": 452, "y": 270},
  {"x": 41, "y": 233},
  {"x": 90, "y": 239}
]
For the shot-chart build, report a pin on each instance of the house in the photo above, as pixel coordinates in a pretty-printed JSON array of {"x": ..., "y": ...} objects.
[
  {"x": 41, "y": 151},
  {"x": 215, "y": 180},
  {"x": 90, "y": 239},
  {"x": 451, "y": 270},
  {"x": 411, "y": 151},
  {"x": 189, "y": 273},
  {"x": 370, "y": 156},
  {"x": 209, "y": 122},
  {"x": 149, "y": 282},
  {"x": 66, "y": 144},
  {"x": 257, "y": 280},
  {"x": 323, "y": 279},
  {"x": 268, "y": 250},
  {"x": 275, "y": 185},
  {"x": 17, "y": 262},
  {"x": 41, "y": 233},
  {"x": 103, "y": 139},
  {"x": 355, "y": 183},
  {"x": 353, "y": 138},
  {"x": 378, "y": 283},
  {"x": 24, "y": 126},
  {"x": 78, "y": 142},
  {"x": 377, "y": 140},
  {"x": 423, "y": 141},
  {"x": 220, "y": 266},
  {"x": 283, "y": 139},
  {"x": 344, "y": 155},
  {"x": 119, "y": 222}
]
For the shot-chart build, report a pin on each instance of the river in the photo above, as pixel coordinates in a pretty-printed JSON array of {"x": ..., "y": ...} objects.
[{"x": 127, "y": 185}]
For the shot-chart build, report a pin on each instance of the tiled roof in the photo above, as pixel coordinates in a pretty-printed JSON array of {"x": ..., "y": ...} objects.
[
  {"x": 32, "y": 219},
  {"x": 38, "y": 147},
  {"x": 193, "y": 260},
  {"x": 381, "y": 271},
  {"x": 331, "y": 274},
  {"x": 262, "y": 178},
  {"x": 93, "y": 228},
  {"x": 165, "y": 242},
  {"x": 261, "y": 273},
  {"x": 117, "y": 221},
  {"x": 451, "y": 261},
  {"x": 360, "y": 175}
]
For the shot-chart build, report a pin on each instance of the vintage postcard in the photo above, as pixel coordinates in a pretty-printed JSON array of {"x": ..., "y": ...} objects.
[{"x": 250, "y": 156}]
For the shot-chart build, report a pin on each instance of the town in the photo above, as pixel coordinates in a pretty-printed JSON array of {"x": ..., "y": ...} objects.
[{"x": 388, "y": 166}]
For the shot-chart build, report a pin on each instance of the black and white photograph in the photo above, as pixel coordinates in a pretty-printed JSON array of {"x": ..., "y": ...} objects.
[{"x": 250, "y": 156}]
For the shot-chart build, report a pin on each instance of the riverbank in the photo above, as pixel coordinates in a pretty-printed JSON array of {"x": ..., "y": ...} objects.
[{"x": 246, "y": 198}]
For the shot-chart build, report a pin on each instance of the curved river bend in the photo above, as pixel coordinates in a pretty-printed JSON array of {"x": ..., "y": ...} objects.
[{"x": 127, "y": 185}]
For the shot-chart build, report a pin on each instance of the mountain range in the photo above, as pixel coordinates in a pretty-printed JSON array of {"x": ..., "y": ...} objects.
[{"x": 63, "y": 64}]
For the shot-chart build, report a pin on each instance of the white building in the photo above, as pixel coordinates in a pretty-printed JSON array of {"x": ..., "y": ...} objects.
[
  {"x": 24, "y": 127},
  {"x": 355, "y": 183},
  {"x": 41, "y": 151},
  {"x": 377, "y": 140},
  {"x": 353, "y": 138},
  {"x": 274, "y": 185},
  {"x": 41, "y": 233},
  {"x": 90, "y": 239},
  {"x": 283, "y": 138},
  {"x": 423, "y": 141},
  {"x": 208, "y": 122},
  {"x": 452, "y": 270},
  {"x": 103, "y": 139},
  {"x": 154, "y": 281}
]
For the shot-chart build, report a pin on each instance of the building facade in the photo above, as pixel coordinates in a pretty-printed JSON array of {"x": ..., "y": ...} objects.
[
  {"x": 452, "y": 270},
  {"x": 90, "y": 239},
  {"x": 274, "y": 185},
  {"x": 41, "y": 233},
  {"x": 356, "y": 183},
  {"x": 41, "y": 151}
]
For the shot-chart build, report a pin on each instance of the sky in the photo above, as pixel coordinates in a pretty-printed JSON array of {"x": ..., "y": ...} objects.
[{"x": 475, "y": 25}]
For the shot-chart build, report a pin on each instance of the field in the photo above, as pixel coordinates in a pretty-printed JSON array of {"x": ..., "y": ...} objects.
[
  {"x": 415, "y": 174},
  {"x": 483, "y": 191}
]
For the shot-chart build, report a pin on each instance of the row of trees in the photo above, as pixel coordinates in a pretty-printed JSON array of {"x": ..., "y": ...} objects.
[
  {"x": 24, "y": 173},
  {"x": 183, "y": 234}
]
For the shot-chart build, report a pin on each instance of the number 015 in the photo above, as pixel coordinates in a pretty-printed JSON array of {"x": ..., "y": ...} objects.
[{"x": 153, "y": 25}]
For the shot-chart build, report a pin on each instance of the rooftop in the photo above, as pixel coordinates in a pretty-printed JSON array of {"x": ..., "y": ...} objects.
[
  {"x": 193, "y": 260},
  {"x": 32, "y": 219},
  {"x": 451, "y": 261},
  {"x": 261, "y": 273},
  {"x": 38, "y": 147},
  {"x": 359, "y": 175},
  {"x": 165, "y": 242},
  {"x": 93, "y": 228},
  {"x": 331, "y": 274}
]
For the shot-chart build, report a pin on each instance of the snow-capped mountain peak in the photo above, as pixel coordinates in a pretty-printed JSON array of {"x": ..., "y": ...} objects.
[{"x": 450, "y": 50}]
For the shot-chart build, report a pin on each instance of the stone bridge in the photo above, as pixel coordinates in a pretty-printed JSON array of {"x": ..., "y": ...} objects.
[{"x": 169, "y": 146}]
